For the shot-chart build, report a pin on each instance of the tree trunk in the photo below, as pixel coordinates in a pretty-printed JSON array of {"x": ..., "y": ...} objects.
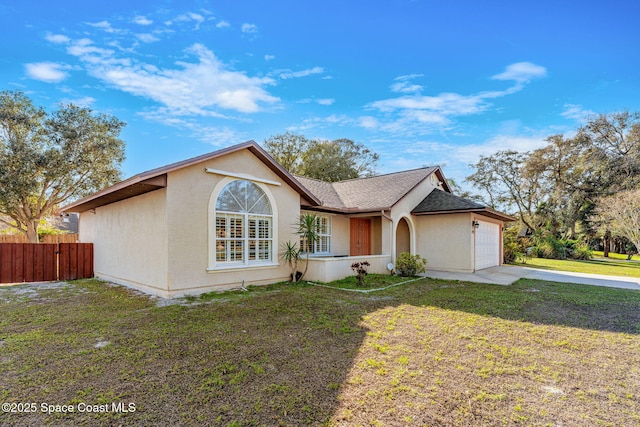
[
  {"x": 606, "y": 241},
  {"x": 32, "y": 231},
  {"x": 572, "y": 230}
]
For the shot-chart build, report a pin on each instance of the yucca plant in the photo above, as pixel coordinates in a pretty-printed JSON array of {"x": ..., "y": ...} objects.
[
  {"x": 307, "y": 229},
  {"x": 291, "y": 255}
]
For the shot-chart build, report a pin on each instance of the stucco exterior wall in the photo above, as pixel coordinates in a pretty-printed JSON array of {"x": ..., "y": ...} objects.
[
  {"x": 446, "y": 241},
  {"x": 130, "y": 241},
  {"x": 189, "y": 192},
  {"x": 340, "y": 234},
  {"x": 403, "y": 209},
  {"x": 327, "y": 269}
]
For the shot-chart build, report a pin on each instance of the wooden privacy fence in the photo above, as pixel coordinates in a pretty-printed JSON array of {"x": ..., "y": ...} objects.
[{"x": 42, "y": 262}]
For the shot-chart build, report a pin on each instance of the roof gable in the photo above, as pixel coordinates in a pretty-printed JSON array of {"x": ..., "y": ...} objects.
[
  {"x": 440, "y": 202},
  {"x": 156, "y": 179},
  {"x": 370, "y": 193}
]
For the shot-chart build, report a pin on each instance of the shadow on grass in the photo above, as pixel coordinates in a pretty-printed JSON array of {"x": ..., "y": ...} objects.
[{"x": 278, "y": 355}]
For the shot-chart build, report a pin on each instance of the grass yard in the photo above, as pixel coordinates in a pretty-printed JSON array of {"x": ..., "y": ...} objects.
[
  {"x": 615, "y": 265},
  {"x": 429, "y": 352}
]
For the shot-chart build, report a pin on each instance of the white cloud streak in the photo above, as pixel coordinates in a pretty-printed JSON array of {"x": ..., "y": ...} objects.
[
  {"x": 49, "y": 72},
  {"x": 57, "y": 38},
  {"x": 288, "y": 74},
  {"x": 413, "y": 113},
  {"x": 577, "y": 113},
  {"x": 249, "y": 28},
  {"x": 191, "y": 88},
  {"x": 142, "y": 20}
]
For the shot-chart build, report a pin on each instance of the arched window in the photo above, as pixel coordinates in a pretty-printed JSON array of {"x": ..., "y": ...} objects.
[{"x": 243, "y": 225}]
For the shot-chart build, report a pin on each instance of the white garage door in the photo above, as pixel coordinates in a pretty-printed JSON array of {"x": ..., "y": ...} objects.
[{"x": 487, "y": 245}]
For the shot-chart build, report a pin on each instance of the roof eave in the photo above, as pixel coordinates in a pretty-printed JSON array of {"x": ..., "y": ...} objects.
[
  {"x": 481, "y": 211},
  {"x": 152, "y": 180}
]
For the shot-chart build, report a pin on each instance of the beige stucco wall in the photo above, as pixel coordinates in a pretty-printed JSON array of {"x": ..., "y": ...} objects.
[
  {"x": 403, "y": 209},
  {"x": 446, "y": 241},
  {"x": 340, "y": 234},
  {"x": 329, "y": 269},
  {"x": 130, "y": 241},
  {"x": 189, "y": 192}
]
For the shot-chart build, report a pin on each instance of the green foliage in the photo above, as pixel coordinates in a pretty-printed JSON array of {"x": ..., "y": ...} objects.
[
  {"x": 547, "y": 246},
  {"x": 291, "y": 255},
  {"x": 49, "y": 159},
  {"x": 307, "y": 229},
  {"x": 559, "y": 186},
  {"x": 514, "y": 247},
  {"x": 581, "y": 250},
  {"x": 410, "y": 265},
  {"x": 329, "y": 161}
]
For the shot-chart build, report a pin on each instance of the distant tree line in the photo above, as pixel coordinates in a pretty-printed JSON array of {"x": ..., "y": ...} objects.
[{"x": 574, "y": 190}]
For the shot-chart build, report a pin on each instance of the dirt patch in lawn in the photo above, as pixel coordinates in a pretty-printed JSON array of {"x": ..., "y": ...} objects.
[{"x": 424, "y": 353}]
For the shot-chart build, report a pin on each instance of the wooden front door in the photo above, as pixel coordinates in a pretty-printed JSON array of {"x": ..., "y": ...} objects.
[{"x": 360, "y": 236}]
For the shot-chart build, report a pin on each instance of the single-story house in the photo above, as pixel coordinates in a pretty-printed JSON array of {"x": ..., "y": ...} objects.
[{"x": 218, "y": 221}]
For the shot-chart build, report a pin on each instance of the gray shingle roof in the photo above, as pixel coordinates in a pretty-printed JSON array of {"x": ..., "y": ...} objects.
[
  {"x": 366, "y": 194},
  {"x": 439, "y": 201}
]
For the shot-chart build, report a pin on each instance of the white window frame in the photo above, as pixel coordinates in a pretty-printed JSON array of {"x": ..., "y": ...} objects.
[
  {"x": 324, "y": 238},
  {"x": 246, "y": 237}
]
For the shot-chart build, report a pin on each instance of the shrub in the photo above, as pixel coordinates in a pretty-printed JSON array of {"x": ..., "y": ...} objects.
[
  {"x": 410, "y": 265},
  {"x": 580, "y": 250},
  {"x": 549, "y": 247},
  {"x": 360, "y": 268},
  {"x": 512, "y": 245}
]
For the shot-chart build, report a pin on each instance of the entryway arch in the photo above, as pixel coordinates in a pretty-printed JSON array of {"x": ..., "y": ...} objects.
[{"x": 403, "y": 236}]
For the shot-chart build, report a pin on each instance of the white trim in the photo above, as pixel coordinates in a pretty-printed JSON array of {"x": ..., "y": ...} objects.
[
  {"x": 242, "y": 267},
  {"x": 242, "y": 176},
  {"x": 214, "y": 265}
]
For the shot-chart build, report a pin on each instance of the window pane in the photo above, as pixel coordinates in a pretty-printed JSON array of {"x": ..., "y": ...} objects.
[
  {"x": 264, "y": 250},
  {"x": 235, "y": 251},
  {"x": 243, "y": 196},
  {"x": 243, "y": 224}
]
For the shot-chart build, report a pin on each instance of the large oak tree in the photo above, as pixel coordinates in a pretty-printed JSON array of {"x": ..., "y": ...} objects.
[
  {"x": 47, "y": 159},
  {"x": 329, "y": 161}
]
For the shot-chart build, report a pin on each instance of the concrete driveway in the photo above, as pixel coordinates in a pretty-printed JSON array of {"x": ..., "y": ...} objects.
[{"x": 507, "y": 274}]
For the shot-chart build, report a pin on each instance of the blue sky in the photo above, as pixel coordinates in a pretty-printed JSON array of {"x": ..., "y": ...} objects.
[{"x": 419, "y": 82}]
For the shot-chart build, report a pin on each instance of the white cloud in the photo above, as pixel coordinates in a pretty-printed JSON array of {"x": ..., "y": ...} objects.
[
  {"x": 303, "y": 73},
  {"x": 142, "y": 20},
  {"x": 368, "y": 122},
  {"x": 522, "y": 72},
  {"x": 223, "y": 24},
  {"x": 82, "y": 102},
  {"x": 147, "y": 38},
  {"x": 106, "y": 26},
  {"x": 188, "y": 18},
  {"x": 326, "y": 101},
  {"x": 214, "y": 135},
  {"x": 249, "y": 28},
  {"x": 191, "y": 88},
  {"x": 403, "y": 84},
  {"x": 413, "y": 113},
  {"x": 576, "y": 112},
  {"x": 49, "y": 72},
  {"x": 57, "y": 38},
  {"x": 269, "y": 57},
  {"x": 86, "y": 50}
]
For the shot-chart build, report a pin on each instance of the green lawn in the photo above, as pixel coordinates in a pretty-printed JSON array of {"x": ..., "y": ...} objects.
[
  {"x": 427, "y": 352},
  {"x": 615, "y": 265}
]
